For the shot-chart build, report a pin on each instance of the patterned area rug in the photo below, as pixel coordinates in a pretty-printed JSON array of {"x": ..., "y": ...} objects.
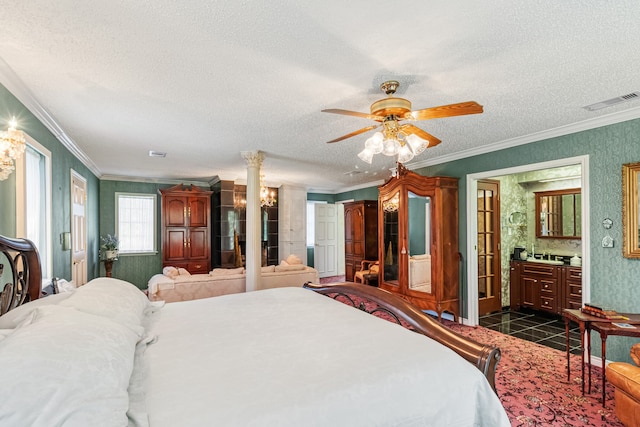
[{"x": 531, "y": 381}]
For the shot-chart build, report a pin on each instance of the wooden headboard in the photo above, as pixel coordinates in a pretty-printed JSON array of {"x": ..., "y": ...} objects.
[{"x": 21, "y": 278}]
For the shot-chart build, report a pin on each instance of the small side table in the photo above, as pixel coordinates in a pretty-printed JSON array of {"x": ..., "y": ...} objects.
[
  {"x": 586, "y": 323},
  {"x": 108, "y": 265},
  {"x": 605, "y": 329}
]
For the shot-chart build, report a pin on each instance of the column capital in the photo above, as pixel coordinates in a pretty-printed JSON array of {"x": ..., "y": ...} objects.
[{"x": 253, "y": 158}]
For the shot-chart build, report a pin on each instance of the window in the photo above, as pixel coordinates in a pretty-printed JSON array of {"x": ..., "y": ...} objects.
[
  {"x": 136, "y": 223},
  {"x": 33, "y": 201}
]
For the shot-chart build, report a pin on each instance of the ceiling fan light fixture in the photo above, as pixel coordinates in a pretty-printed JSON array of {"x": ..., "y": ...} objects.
[
  {"x": 374, "y": 144},
  {"x": 391, "y": 147},
  {"x": 366, "y": 155},
  {"x": 404, "y": 154},
  {"x": 416, "y": 144}
]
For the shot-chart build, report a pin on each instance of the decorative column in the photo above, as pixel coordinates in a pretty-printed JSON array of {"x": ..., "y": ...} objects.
[{"x": 253, "y": 248}]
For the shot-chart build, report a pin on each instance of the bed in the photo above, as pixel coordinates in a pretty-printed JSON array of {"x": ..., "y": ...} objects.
[{"x": 104, "y": 355}]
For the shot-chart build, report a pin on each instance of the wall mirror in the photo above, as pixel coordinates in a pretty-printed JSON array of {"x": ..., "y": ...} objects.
[
  {"x": 630, "y": 230},
  {"x": 558, "y": 214}
]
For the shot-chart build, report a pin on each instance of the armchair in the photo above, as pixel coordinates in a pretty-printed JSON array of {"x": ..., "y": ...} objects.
[
  {"x": 366, "y": 267},
  {"x": 626, "y": 379}
]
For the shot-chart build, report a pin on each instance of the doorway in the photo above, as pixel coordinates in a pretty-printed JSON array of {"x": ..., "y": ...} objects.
[
  {"x": 472, "y": 290},
  {"x": 489, "y": 266},
  {"x": 78, "y": 229}
]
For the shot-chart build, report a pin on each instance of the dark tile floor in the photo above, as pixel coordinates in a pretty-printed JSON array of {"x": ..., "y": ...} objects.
[{"x": 539, "y": 328}]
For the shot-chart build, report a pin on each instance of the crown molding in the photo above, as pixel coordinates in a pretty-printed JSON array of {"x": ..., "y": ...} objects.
[
  {"x": 16, "y": 86},
  {"x": 605, "y": 120},
  {"x": 155, "y": 180}
]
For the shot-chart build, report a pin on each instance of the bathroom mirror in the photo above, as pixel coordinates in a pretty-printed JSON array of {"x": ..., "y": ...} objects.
[
  {"x": 630, "y": 230},
  {"x": 558, "y": 214}
]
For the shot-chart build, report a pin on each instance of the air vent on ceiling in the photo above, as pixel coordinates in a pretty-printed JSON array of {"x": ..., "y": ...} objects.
[
  {"x": 157, "y": 154},
  {"x": 613, "y": 101}
]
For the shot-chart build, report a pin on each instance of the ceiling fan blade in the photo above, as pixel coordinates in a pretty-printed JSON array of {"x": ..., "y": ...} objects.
[
  {"x": 433, "y": 141},
  {"x": 357, "y": 132},
  {"x": 460, "y": 109},
  {"x": 353, "y": 113}
]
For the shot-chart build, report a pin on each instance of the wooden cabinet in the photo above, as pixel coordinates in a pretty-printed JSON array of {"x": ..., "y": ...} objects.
[
  {"x": 418, "y": 240},
  {"x": 572, "y": 287},
  {"x": 186, "y": 228},
  {"x": 360, "y": 235},
  {"x": 292, "y": 222},
  {"x": 539, "y": 286},
  {"x": 544, "y": 287}
]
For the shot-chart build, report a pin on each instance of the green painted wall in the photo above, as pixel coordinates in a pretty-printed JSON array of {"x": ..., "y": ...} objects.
[
  {"x": 370, "y": 193},
  {"x": 62, "y": 162},
  {"x": 319, "y": 197},
  {"x": 136, "y": 269}
]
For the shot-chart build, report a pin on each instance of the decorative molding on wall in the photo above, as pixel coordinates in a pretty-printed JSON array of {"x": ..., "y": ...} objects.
[
  {"x": 205, "y": 184},
  {"x": 15, "y": 85},
  {"x": 609, "y": 119}
]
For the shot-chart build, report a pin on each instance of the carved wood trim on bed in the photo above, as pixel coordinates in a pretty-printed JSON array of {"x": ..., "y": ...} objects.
[
  {"x": 21, "y": 279},
  {"x": 393, "y": 308}
]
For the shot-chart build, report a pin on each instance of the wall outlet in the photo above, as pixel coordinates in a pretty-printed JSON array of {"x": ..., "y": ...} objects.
[{"x": 607, "y": 242}]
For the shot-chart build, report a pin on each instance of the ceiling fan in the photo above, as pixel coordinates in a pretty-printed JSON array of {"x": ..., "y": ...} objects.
[{"x": 404, "y": 140}]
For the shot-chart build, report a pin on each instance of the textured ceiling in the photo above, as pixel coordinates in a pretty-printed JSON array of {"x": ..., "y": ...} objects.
[{"x": 204, "y": 80}]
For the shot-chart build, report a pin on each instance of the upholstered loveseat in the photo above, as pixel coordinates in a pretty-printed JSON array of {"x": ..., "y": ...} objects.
[{"x": 184, "y": 287}]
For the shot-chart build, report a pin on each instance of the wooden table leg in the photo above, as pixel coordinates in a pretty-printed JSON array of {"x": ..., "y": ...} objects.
[
  {"x": 603, "y": 337},
  {"x": 566, "y": 327},
  {"x": 582, "y": 352},
  {"x": 588, "y": 328}
]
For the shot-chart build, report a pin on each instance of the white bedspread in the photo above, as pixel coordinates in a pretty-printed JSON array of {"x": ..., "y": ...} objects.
[{"x": 291, "y": 357}]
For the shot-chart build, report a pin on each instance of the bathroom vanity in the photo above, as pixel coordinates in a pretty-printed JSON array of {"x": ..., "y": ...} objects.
[{"x": 548, "y": 286}]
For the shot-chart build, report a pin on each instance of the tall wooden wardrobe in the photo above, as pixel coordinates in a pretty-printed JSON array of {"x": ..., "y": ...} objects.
[
  {"x": 186, "y": 228},
  {"x": 360, "y": 235},
  {"x": 418, "y": 230}
]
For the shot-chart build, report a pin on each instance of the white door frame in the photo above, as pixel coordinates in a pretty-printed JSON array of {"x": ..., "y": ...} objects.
[{"x": 472, "y": 227}]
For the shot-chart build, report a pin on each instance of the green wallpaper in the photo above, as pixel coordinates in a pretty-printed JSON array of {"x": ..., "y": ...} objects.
[
  {"x": 613, "y": 277},
  {"x": 136, "y": 269},
  {"x": 62, "y": 162}
]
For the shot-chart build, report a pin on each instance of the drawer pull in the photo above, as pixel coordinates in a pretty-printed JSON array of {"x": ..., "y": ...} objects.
[
  {"x": 579, "y": 291},
  {"x": 546, "y": 303}
]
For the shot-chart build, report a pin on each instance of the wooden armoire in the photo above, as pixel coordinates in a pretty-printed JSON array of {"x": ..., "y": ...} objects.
[
  {"x": 418, "y": 228},
  {"x": 360, "y": 235},
  {"x": 186, "y": 228}
]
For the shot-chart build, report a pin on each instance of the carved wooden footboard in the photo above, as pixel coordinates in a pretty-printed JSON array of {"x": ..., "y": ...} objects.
[
  {"x": 391, "y": 307},
  {"x": 21, "y": 276}
]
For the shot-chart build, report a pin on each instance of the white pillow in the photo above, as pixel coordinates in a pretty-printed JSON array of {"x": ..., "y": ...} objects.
[
  {"x": 294, "y": 267},
  {"x": 67, "y": 368},
  {"x": 112, "y": 298},
  {"x": 268, "y": 269},
  {"x": 183, "y": 272},
  {"x": 170, "y": 272},
  {"x": 12, "y": 318},
  {"x": 293, "y": 259},
  {"x": 422, "y": 256},
  {"x": 226, "y": 271}
]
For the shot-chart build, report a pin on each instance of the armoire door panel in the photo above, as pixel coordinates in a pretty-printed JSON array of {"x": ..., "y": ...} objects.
[
  {"x": 198, "y": 244},
  {"x": 198, "y": 212},
  {"x": 175, "y": 244},
  {"x": 175, "y": 212}
]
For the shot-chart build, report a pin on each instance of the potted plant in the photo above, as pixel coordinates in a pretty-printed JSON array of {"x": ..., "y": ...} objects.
[{"x": 109, "y": 247}]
